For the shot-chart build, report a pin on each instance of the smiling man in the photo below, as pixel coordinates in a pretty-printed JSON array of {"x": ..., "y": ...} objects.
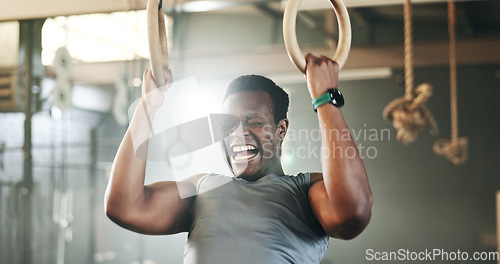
[
  {"x": 260, "y": 215},
  {"x": 254, "y": 127}
]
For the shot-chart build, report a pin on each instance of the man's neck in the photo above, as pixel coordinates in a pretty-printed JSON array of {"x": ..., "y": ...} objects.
[{"x": 277, "y": 169}]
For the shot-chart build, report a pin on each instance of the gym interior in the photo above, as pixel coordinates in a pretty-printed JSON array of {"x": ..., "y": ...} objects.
[{"x": 71, "y": 74}]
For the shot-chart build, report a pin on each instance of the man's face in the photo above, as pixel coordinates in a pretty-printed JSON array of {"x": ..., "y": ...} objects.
[{"x": 250, "y": 134}]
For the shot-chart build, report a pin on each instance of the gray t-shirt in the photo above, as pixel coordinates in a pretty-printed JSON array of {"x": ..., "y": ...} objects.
[{"x": 268, "y": 221}]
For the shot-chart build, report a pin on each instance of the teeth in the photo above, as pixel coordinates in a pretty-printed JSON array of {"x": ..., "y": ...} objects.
[
  {"x": 243, "y": 148},
  {"x": 243, "y": 157}
]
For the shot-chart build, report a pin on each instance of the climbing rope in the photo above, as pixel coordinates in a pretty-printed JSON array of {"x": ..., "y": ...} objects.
[
  {"x": 408, "y": 114},
  {"x": 456, "y": 149}
]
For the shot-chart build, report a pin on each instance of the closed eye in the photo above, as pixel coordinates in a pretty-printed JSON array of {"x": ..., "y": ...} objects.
[{"x": 255, "y": 123}]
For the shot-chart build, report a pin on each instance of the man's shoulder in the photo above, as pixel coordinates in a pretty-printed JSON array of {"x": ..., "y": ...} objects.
[
  {"x": 309, "y": 177},
  {"x": 306, "y": 179}
]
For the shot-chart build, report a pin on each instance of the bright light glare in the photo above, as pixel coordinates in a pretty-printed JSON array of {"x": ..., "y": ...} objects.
[
  {"x": 116, "y": 36},
  {"x": 55, "y": 113},
  {"x": 137, "y": 82},
  {"x": 203, "y": 6},
  {"x": 287, "y": 159},
  {"x": 91, "y": 98}
]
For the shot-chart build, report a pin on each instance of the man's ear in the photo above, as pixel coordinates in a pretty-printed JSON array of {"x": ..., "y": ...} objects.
[{"x": 281, "y": 129}]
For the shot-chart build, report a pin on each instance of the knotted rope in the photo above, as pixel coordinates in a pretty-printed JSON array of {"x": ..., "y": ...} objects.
[
  {"x": 408, "y": 114},
  {"x": 456, "y": 149}
]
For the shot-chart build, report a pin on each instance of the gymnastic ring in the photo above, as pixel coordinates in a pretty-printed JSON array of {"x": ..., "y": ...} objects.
[
  {"x": 157, "y": 37},
  {"x": 290, "y": 35}
]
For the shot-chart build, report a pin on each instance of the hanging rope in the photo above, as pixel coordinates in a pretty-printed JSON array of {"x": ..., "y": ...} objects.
[
  {"x": 408, "y": 114},
  {"x": 456, "y": 149}
]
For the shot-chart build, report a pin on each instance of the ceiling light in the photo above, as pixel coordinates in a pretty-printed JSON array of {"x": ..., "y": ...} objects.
[
  {"x": 344, "y": 75},
  {"x": 203, "y": 6}
]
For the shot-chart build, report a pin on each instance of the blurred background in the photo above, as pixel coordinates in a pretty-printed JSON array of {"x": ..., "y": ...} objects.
[{"x": 70, "y": 70}]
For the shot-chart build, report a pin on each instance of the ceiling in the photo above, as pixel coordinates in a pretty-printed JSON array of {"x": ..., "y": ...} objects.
[
  {"x": 475, "y": 19},
  {"x": 376, "y": 25},
  {"x": 370, "y": 19}
]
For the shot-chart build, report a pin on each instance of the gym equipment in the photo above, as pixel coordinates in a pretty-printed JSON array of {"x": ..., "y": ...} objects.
[
  {"x": 456, "y": 149},
  {"x": 408, "y": 114},
  {"x": 290, "y": 36},
  {"x": 157, "y": 37},
  {"x": 121, "y": 101},
  {"x": 61, "y": 94}
]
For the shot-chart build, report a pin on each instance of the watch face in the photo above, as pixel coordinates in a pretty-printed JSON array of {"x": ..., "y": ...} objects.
[{"x": 337, "y": 97}]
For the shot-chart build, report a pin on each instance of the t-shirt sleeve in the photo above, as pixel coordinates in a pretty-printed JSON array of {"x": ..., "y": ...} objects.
[{"x": 304, "y": 181}]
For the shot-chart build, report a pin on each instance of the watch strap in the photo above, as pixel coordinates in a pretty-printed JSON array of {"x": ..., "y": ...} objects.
[
  {"x": 321, "y": 100},
  {"x": 333, "y": 96}
]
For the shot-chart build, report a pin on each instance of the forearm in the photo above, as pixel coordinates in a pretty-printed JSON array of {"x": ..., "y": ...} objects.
[
  {"x": 344, "y": 174},
  {"x": 342, "y": 201},
  {"x": 126, "y": 184}
]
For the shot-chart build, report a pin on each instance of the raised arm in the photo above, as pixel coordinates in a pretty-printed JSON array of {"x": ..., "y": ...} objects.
[
  {"x": 153, "y": 209},
  {"x": 340, "y": 196}
]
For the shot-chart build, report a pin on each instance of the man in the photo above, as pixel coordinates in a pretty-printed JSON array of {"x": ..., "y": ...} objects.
[{"x": 260, "y": 215}]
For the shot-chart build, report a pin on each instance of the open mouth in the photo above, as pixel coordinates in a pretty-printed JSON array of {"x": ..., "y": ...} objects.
[{"x": 244, "y": 152}]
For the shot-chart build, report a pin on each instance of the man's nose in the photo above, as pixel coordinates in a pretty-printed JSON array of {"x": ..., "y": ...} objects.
[{"x": 240, "y": 131}]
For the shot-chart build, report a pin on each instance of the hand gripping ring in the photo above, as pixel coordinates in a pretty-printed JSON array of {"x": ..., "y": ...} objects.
[
  {"x": 290, "y": 36},
  {"x": 157, "y": 37}
]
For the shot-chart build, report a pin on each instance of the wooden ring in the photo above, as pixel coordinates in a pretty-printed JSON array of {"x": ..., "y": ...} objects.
[
  {"x": 290, "y": 35},
  {"x": 157, "y": 37}
]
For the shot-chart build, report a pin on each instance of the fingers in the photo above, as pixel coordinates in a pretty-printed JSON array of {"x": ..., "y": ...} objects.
[
  {"x": 148, "y": 82},
  {"x": 169, "y": 79},
  {"x": 325, "y": 59},
  {"x": 146, "y": 75},
  {"x": 168, "y": 75},
  {"x": 313, "y": 60},
  {"x": 331, "y": 63},
  {"x": 321, "y": 73},
  {"x": 310, "y": 59}
]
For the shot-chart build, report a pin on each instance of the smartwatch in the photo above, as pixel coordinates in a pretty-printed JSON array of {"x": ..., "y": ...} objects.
[{"x": 333, "y": 96}]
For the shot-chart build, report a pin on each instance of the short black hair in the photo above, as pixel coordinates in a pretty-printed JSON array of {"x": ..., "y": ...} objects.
[{"x": 248, "y": 83}]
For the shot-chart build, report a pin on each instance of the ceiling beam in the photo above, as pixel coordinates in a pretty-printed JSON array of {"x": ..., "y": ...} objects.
[
  {"x": 275, "y": 60},
  {"x": 32, "y": 9}
]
